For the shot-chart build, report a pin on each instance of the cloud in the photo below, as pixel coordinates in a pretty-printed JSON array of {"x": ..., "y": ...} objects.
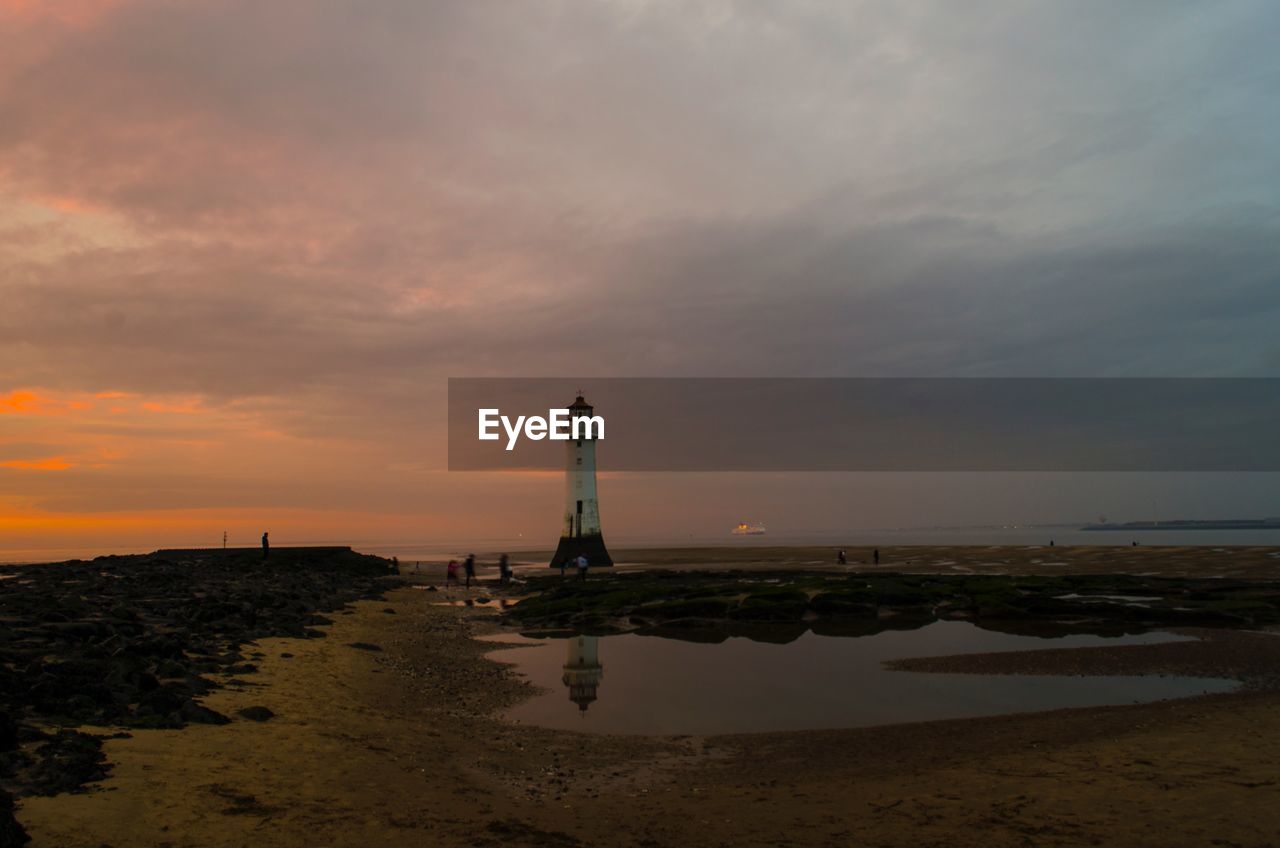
[
  {"x": 52, "y": 463},
  {"x": 34, "y": 402},
  {"x": 294, "y": 220}
]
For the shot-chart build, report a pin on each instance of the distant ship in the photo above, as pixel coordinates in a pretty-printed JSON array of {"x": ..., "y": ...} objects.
[
  {"x": 745, "y": 529},
  {"x": 1220, "y": 524}
]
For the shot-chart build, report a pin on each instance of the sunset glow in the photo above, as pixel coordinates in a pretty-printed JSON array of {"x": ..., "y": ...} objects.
[{"x": 243, "y": 245}]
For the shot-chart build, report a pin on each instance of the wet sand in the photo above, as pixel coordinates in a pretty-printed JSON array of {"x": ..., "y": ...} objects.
[
  {"x": 383, "y": 734},
  {"x": 1163, "y": 560}
]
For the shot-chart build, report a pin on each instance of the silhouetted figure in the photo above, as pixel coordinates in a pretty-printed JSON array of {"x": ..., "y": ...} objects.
[
  {"x": 395, "y": 565},
  {"x": 842, "y": 558},
  {"x": 451, "y": 574},
  {"x": 504, "y": 569},
  {"x": 875, "y": 556},
  {"x": 1135, "y": 544},
  {"x": 581, "y": 562},
  {"x": 469, "y": 567},
  {"x": 266, "y": 546},
  {"x": 1051, "y": 543}
]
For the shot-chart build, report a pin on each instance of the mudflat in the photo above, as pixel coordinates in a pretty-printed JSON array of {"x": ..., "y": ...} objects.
[
  {"x": 1162, "y": 560},
  {"x": 385, "y": 732}
]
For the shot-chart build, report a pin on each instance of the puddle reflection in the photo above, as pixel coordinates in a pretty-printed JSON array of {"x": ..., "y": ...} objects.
[
  {"x": 736, "y": 684},
  {"x": 582, "y": 670}
]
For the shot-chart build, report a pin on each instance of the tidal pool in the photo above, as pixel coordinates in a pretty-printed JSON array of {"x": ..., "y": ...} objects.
[{"x": 633, "y": 684}]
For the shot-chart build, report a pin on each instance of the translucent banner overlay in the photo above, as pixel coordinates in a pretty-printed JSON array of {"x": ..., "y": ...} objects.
[{"x": 882, "y": 424}]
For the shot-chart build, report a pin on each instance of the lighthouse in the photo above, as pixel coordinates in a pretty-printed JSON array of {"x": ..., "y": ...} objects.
[
  {"x": 582, "y": 671},
  {"x": 580, "y": 530}
]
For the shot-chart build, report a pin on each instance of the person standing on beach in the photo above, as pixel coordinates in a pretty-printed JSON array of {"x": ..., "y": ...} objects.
[
  {"x": 875, "y": 556},
  {"x": 581, "y": 562},
  {"x": 266, "y": 546},
  {"x": 470, "y": 568},
  {"x": 451, "y": 574},
  {"x": 842, "y": 558},
  {"x": 504, "y": 570}
]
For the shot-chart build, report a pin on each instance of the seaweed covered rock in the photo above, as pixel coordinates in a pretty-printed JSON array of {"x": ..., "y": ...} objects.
[
  {"x": 64, "y": 762},
  {"x": 125, "y": 641},
  {"x": 866, "y": 601}
]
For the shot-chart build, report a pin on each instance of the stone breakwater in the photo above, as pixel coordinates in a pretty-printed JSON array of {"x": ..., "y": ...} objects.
[{"x": 128, "y": 642}]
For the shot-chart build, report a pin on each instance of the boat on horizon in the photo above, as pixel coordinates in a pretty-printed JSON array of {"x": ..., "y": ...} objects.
[{"x": 745, "y": 529}]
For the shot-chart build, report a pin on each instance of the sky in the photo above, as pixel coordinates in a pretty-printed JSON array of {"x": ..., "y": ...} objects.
[{"x": 243, "y": 245}]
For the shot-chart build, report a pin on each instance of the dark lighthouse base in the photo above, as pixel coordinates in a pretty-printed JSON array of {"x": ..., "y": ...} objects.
[{"x": 592, "y": 547}]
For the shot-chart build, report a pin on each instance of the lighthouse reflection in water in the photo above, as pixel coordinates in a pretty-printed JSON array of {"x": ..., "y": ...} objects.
[
  {"x": 800, "y": 680},
  {"x": 582, "y": 670}
]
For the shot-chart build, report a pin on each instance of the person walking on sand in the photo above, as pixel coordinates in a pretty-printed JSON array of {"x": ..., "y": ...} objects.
[
  {"x": 266, "y": 546},
  {"x": 581, "y": 562},
  {"x": 469, "y": 567},
  {"x": 842, "y": 558},
  {"x": 451, "y": 574}
]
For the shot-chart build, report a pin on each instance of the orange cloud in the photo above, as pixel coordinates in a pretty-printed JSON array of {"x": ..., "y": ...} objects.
[
  {"x": 53, "y": 463},
  {"x": 68, "y": 205},
  {"x": 19, "y": 402},
  {"x": 33, "y": 402},
  {"x": 157, "y": 528}
]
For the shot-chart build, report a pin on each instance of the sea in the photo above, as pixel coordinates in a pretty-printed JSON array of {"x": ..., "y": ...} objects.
[{"x": 1015, "y": 535}]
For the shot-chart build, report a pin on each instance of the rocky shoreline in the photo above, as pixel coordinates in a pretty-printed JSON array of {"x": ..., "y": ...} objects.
[
  {"x": 130, "y": 642},
  {"x": 388, "y": 732},
  {"x": 776, "y": 605}
]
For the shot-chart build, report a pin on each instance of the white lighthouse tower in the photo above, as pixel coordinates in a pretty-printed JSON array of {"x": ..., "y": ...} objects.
[
  {"x": 580, "y": 532},
  {"x": 582, "y": 671}
]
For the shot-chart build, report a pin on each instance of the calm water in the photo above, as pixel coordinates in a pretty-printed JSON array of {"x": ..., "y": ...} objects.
[
  {"x": 649, "y": 685},
  {"x": 410, "y": 552}
]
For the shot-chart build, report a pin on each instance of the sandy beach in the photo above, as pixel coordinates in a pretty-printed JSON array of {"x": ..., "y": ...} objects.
[{"x": 384, "y": 732}]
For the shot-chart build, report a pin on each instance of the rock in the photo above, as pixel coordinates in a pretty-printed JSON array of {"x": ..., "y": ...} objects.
[
  {"x": 200, "y": 714},
  {"x": 65, "y": 762},
  {"x": 12, "y": 834},
  {"x": 256, "y": 713},
  {"x": 124, "y": 641},
  {"x": 8, "y": 733},
  {"x": 171, "y": 668},
  {"x": 164, "y": 699}
]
